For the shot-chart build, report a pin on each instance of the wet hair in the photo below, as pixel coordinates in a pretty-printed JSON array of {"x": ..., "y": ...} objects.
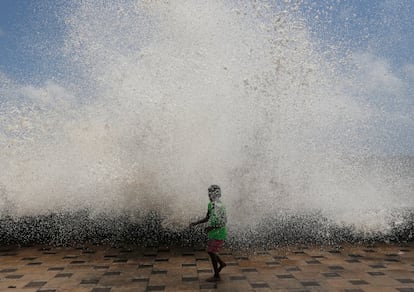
[{"x": 216, "y": 190}]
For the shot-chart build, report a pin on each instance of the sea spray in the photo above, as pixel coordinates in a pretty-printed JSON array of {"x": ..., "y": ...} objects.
[{"x": 172, "y": 97}]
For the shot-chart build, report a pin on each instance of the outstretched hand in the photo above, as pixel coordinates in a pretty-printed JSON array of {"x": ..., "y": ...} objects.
[{"x": 208, "y": 229}]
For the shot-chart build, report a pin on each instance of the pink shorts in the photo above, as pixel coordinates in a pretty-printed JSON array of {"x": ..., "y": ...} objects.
[{"x": 214, "y": 245}]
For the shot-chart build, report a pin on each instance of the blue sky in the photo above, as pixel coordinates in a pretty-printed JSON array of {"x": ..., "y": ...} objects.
[
  {"x": 380, "y": 33},
  {"x": 386, "y": 27},
  {"x": 27, "y": 28}
]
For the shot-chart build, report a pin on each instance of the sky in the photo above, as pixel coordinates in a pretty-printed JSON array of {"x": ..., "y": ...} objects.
[
  {"x": 380, "y": 34},
  {"x": 385, "y": 27},
  {"x": 27, "y": 28}
]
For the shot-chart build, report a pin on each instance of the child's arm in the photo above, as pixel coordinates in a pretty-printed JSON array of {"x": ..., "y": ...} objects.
[{"x": 204, "y": 220}]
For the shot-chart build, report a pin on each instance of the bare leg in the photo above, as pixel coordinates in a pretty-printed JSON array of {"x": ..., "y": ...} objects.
[
  {"x": 214, "y": 257},
  {"x": 222, "y": 264}
]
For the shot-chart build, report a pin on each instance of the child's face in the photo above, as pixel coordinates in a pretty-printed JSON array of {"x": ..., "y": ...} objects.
[{"x": 213, "y": 195}]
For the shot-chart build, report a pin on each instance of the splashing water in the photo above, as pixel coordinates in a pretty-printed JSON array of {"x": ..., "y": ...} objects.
[{"x": 169, "y": 98}]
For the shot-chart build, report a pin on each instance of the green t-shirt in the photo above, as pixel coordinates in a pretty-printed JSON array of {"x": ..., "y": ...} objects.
[{"x": 218, "y": 217}]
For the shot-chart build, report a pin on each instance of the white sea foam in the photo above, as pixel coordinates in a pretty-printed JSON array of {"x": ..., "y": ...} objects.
[{"x": 173, "y": 96}]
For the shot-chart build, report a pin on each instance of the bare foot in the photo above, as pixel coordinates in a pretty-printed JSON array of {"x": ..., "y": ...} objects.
[
  {"x": 213, "y": 279},
  {"x": 221, "y": 267}
]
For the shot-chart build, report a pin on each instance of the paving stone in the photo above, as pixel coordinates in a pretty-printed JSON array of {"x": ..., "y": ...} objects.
[
  {"x": 358, "y": 282},
  {"x": 56, "y": 269},
  {"x": 331, "y": 275},
  {"x": 77, "y": 262},
  {"x": 140, "y": 280},
  {"x": 392, "y": 260},
  {"x": 35, "y": 284},
  {"x": 8, "y": 270},
  {"x": 353, "y": 261},
  {"x": 14, "y": 276},
  {"x": 249, "y": 270},
  {"x": 101, "y": 267},
  {"x": 189, "y": 279},
  {"x": 313, "y": 262},
  {"x": 159, "y": 272},
  {"x": 237, "y": 277},
  {"x": 285, "y": 276},
  {"x": 156, "y": 288},
  {"x": 256, "y": 285},
  {"x": 63, "y": 275},
  {"x": 376, "y": 273},
  {"x": 310, "y": 283},
  {"x": 336, "y": 268},
  {"x": 405, "y": 281},
  {"x": 110, "y": 256},
  {"x": 188, "y": 254},
  {"x": 380, "y": 268},
  {"x": 89, "y": 281},
  {"x": 293, "y": 269},
  {"x": 120, "y": 261},
  {"x": 208, "y": 286},
  {"x": 101, "y": 289},
  {"x": 11, "y": 254},
  {"x": 34, "y": 264},
  {"x": 112, "y": 273}
]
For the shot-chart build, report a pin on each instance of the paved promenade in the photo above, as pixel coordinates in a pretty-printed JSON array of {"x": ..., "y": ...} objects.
[{"x": 104, "y": 268}]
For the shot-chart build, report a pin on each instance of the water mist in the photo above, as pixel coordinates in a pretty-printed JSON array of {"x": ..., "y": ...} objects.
[{"x": 163, "y": 99}]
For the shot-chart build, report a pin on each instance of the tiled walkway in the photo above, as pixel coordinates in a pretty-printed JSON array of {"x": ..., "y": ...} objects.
[{"x": 102, "y": 268}]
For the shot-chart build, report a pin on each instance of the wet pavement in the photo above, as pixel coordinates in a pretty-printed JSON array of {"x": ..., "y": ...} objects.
[{"x": 296, "y": 268}]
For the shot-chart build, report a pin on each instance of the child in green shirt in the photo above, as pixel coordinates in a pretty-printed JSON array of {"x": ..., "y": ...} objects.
[{"x": 216, "y": 216}]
